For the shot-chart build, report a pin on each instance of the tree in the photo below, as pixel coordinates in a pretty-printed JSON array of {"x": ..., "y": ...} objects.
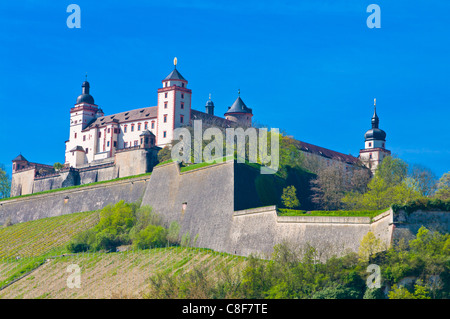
[
  {"x": 5, "y": 183},
  {"x": 369, "y": 246},
  {"x": 443, "y": 187},
  {"x": 329, "y": 187},
  {"x": 164, "y": 154},
  {"x": 389, "y": 186},
  {"x": 392, "y": 171},
  {"x": 289, "y": 197},
  {"x": 424, "y": 179},
  {"x": 57, "y": 166}
]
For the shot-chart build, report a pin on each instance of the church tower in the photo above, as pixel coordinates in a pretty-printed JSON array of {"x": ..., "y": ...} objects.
[
  {"x": 174, "y": 106},
  {"x": 375, "y": 144},
  {"x": 83, "y": 112}
]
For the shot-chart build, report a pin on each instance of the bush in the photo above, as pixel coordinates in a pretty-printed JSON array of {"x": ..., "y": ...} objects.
[
  {"x": 173, "y": 233},
  {"x": 151, "y": 236},
  {"x": 374, "y": 293},
  {"x": 121, "y": 224},
  {"x": 423, "y": 204}
]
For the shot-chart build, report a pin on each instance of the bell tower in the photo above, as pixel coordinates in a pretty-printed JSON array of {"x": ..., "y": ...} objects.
[
  {"x": 375, "y": 144},
  {"x": 174, "y": 106}
]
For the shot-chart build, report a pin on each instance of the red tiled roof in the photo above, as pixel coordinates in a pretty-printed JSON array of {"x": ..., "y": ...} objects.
[
  {"x": 314, "y": 149},
  {"x": 145, "y": 113}
]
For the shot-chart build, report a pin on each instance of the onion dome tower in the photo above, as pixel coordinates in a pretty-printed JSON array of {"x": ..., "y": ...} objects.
[
  {"x": 375, "y": 144},
  {"x": 209, "y": 106}
]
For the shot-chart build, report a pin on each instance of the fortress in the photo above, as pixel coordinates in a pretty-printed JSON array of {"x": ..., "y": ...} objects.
[
  {"x": 103, "y": 148},
  {"x": 229, "y": 207}
]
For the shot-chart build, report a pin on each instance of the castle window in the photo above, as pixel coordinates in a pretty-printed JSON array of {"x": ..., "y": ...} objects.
[
  {"x": 145, "y": 125},
  {"x": 75, "y": 135},
  {"x": 182, "y": 95},
  {"x": 153, "y": 124},
  {"x": 125, "y": 129},
  {"x": 107, "y": 144},
  {"x": 165, "y": 105},
  {"x": 139, "y": 126},
  {"x": 181, "y": 118},
  {"x": 370, "y": 144},
  {"x": 164, "y": 134},
  {"x": 370, "y": 156},
  {"x": 165, "y": 95},
  {"x": 84, "y": 138},
  {"x": 115, "y": 144},
  {"x": 182, "y": 105},
  {"x": 87, "y": 150},
  {"x": 115, "y": 131},
  {"x": 136, "y": 143},
  {"x": 182, "y": 85},
  {"x": 132, "y": 127},
  {"x": 165, "y": 118}
]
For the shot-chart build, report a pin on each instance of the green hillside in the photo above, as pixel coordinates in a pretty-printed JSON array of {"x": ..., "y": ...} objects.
[
  {"x": 33, "y": 253},
  {"x": 39, "y": 237}
]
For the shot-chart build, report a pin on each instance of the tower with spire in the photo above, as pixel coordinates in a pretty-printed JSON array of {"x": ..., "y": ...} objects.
[
  {"x": 239, "y": 112},
  {"x": 375, "y": 144},
  {"x": 81, "y": 114},
  {"x": 174, "y": 106}
]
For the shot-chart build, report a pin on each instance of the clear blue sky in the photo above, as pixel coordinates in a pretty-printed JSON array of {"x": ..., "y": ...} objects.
[{"x": 309, "y": 67}]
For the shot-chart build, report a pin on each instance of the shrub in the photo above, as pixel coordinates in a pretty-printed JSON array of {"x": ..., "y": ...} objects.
[
  {"x": 151, "y": 236},
  {"x": 173, "y": 233}
]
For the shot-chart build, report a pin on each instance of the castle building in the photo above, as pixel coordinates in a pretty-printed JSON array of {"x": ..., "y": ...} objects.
[
  {"x": 94, "y": 136},
  {"x": 104, "y": 147},
  {"x": 375, "y": 144}
]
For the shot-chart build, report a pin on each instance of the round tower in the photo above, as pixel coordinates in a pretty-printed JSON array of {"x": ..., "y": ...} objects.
[{"x": 239, "y": 112}]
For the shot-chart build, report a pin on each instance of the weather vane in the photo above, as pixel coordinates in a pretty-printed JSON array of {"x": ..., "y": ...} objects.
[{"x": 175, "y": 62}]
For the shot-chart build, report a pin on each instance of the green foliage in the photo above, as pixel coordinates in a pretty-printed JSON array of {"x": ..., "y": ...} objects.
[
  {"x": 122, "y": 224},
  {"x": 165, "y": 155},
  {"x": 424, "y": 204},
  {"x": 289, "y": 197},
  {"x": 5, "y": 183},
  {"x": 374, "y": 293},
  {"x": 337, "y": 292},
  {"x": 151, "y": 236},
  {"x": 443, "y": 187},
  {"x": 185, "y": 240},
  {"x": 420, "y": 292},
  {"x": 173, "y": 233},
  {"x": 369, "y": 246},
  {"x": 388, "y": 187},
  {"x": 337, "y": 213},
  {"x": 57, "y": 166}
]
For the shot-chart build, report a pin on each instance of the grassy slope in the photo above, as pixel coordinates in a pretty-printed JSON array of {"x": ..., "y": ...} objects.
[
  {"x": 39, "y": 237},
  {"x": 102, "y": 275}
]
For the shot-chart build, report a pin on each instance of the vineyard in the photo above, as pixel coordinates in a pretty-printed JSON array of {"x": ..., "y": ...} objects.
[
  {"x": 112, "y": 275},
  {"x": 39, "y": 237},
  {"x": 34, "y": 262}
]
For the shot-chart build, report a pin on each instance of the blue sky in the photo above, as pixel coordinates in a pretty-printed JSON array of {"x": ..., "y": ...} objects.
[{"x": 311, "y": 68}]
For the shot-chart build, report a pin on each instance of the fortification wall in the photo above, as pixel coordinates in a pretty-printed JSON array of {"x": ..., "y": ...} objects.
[
  {"x": 406, "y": 225},
  {"x": 204, "y": 202},
  {"x": 22, "y": 182},
  {"x": 71, "y": 201},
  {"x": 208, "y": 193},
  {"x": 258, "y": 230}
]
